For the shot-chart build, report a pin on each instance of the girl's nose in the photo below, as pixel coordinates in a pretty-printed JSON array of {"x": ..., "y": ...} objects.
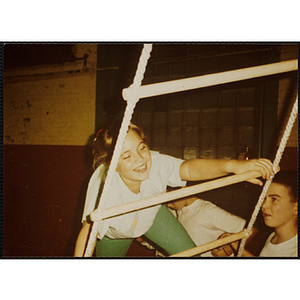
[{"x": 138, "y": 157}]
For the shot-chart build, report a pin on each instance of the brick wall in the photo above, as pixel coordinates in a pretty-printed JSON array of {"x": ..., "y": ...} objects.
[{"x": 51, "y": 105}]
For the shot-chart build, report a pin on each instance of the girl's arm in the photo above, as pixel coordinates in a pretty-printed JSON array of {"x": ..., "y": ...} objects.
[
  {"x": 82, "y": 239},
  {"x": 203, "y": 169}
]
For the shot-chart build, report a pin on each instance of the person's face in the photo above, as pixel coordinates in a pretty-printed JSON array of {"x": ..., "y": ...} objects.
[
  {"x": 278, "y": 210},
  {"x": 135, "y": 160},
  {"x": 178, "y": 205}
]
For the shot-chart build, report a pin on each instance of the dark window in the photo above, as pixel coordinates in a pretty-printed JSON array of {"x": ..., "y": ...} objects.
[
  {"x": 27, "y": 55},
  {"x": 214, "y": 122}
]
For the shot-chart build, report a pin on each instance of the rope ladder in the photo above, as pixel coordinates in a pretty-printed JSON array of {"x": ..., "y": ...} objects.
[{"x": 136, "y": 91}]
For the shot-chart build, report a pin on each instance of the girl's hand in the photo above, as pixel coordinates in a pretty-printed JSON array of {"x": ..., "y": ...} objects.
[{"x": 262, "y": 165}]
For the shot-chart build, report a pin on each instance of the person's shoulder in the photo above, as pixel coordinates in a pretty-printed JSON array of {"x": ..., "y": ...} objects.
[
  {"x": 206, "y": 204},
  {"x": 96, "y": 174},
  {"x": 212, "y": 209},
  {"x": 198, "y": 202},
  {"x": 155, "y": 155},
  {"x": 293, "y": 239},
  {"x": 99, "y": 173},
  {"x": 196, "y": 206}
]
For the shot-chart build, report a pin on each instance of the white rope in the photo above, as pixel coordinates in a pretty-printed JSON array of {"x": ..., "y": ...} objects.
[
  {"x": 131, "y": 102},
  {"x": 135, "y": 92},
  {"x": 276, "y": 162}
]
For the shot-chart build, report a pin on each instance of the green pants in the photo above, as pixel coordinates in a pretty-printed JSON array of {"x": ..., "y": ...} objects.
[{"x": 166, "y": 232}]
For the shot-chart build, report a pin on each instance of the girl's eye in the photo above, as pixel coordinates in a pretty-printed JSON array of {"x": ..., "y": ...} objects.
[
  {"x": 143, "y": 147},
  {"x": 126, "y": 157},
  {"x": 274, "y": 199}
]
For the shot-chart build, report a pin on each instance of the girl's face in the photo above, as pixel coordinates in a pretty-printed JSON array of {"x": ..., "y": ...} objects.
[
  {"x": 135, "y": 161},
  {"x": 278, "y": 210}
]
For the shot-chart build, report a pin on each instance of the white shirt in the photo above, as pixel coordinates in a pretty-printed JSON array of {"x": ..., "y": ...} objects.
[
  {"x": 205, "y": 222},
  {"x": 164, "y": 171},
  {"x": 288, "y": 248}
]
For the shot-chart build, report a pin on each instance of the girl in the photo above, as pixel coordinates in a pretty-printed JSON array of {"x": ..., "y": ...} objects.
[{"x": 142, "y": 173}]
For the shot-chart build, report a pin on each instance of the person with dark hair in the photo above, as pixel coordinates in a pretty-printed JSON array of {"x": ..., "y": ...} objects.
[
  {"x": 280, "y": 211},
  {"x": 142, "y": 173},
  {"x": 205, "y": 222}
]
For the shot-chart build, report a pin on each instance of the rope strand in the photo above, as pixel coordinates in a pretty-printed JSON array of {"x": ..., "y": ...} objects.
[
  {"x": 276, "y": 162},
  {"x": 131, "y": 102}
]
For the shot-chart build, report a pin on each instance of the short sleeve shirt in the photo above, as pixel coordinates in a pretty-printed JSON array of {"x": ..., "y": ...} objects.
[
  {"x": 205, "y": 222},
  {"x": 164, "y": 171},
  {"x": 288, "y": 248}
]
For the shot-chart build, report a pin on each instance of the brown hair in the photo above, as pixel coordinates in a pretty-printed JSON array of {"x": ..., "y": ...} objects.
[
  {"x": 289, "y": 179},
  {"x": 105, "y": 140}
]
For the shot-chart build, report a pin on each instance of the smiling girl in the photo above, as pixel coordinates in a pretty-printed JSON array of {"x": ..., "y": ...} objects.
[{"x": 142, "y": 173}]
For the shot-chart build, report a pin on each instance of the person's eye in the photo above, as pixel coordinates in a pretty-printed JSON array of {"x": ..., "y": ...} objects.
[
  {"x": 274, "y": 199},
  {"x": 143, "y": 147},
  {"x": 127, "y": 156}
]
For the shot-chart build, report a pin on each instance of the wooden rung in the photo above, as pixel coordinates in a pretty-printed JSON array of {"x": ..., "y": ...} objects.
[
  {"x": 185, "y": 84},
  {"x": 177, "y": 194},
  {"x": 211, "y": 245}
]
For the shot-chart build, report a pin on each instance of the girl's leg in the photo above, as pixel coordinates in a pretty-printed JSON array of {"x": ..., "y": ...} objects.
[
  {"x": 167, "y": 232},
  {"x": 112, "y": 247}
]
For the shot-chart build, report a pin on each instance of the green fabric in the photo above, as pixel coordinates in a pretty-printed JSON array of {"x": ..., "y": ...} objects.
[
  {"x": 166, "y": 232},
  {"x": 112, "y": 247}
]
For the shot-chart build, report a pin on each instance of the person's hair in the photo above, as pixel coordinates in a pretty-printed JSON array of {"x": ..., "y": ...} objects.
[
  {"x": 288, "y": 179},
  {"x": 105, "y": 140}
]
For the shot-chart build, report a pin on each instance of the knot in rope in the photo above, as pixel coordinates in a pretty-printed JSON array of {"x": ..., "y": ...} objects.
[
  {"x": 96, "y": 215},
  {"x": 131, "y": 94}
]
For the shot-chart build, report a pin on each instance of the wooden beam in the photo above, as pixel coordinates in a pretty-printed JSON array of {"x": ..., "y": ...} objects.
[
  {"x": 166, "y": 197},
  {"x": 212, "y": 245},
  {"x": 185, "y": 84}
]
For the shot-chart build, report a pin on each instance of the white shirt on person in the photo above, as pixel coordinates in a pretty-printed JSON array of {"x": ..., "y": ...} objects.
[
  {"x": 164, "y": 171},
  {"x": 288, "y": 248},
  {"x": 205, "y": 222}
]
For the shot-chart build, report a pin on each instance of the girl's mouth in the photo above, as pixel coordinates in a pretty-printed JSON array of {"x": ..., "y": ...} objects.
[{"x": 141, "y": 169}]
